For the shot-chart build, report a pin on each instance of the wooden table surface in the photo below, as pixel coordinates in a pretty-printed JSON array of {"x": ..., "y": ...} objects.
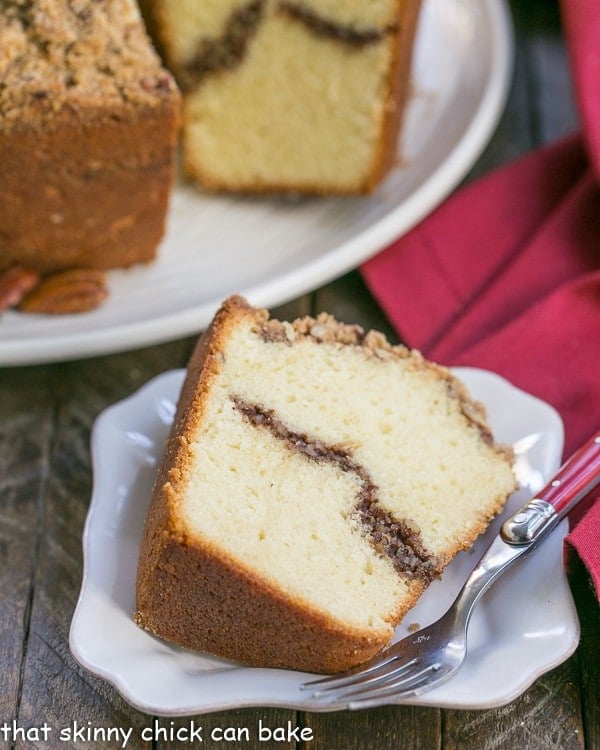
[{"x": 46, "y": 413}]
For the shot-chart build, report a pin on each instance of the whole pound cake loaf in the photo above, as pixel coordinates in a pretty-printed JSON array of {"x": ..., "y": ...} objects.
[
  {"x": 288, "y": 95},
  {"x": 316, "y": 480},
  {"x": 88, "y": 121}
]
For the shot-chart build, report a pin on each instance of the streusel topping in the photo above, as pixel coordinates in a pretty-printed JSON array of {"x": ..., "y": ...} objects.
[{"x": 64, "y": 52}]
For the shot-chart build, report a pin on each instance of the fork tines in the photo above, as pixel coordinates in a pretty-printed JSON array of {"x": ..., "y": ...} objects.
[{"x": 364, "y": 687}]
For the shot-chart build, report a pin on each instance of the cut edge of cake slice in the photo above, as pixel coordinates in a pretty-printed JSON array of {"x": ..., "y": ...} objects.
[
  {"x": 289, "y": 96},
  {"x": 283, "y": 549}
]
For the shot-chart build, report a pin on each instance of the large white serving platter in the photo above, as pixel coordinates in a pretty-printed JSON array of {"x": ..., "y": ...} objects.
[
  {"x": 524, "y": 626},
  {"x": 273, "y": 250}
]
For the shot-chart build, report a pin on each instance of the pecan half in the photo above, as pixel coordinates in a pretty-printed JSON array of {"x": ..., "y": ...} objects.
[
  {"x": 15, "y": 284},
  {"x": 77, "y": 290}
]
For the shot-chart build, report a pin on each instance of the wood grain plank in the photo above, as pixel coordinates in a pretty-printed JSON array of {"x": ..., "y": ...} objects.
[
  {"x": 385, "y": 728},
  {"x": 545, "y": 717},
  {"x": 26, "y": 419}
]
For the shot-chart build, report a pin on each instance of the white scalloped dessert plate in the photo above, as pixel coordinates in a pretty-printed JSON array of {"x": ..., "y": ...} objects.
[
  {"x": 274, "y": 250},
  {"x": 524, "y": 626}
]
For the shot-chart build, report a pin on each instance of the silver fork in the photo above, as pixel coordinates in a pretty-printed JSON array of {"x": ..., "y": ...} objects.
[{"x": 432, "y": 655}]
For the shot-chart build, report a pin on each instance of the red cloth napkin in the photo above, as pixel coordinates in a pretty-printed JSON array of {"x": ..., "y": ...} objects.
[{"x": 505, "y": 275}]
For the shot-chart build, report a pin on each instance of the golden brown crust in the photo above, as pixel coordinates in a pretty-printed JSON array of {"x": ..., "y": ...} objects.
[
  {"x": 87, "y": 159},
  {"x": 199, "y": 600},
  {"x": 95, "y": 195},
  {"x": 398, "y": 92}
]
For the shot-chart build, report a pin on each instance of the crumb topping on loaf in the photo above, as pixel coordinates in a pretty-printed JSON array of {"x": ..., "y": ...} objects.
[{"x": 54, "y": 52}]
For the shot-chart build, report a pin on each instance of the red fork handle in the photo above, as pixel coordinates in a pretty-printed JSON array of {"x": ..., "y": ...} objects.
[{"x": 575, "y": 479}]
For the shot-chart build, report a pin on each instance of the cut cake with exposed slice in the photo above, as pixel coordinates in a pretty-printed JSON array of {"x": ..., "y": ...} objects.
[
  {"x": 288, "y": 95},
  {"x": 315, "y": 481}
]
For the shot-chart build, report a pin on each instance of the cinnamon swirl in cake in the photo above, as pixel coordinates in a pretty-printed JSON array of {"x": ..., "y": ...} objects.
[{"x": 315, "y": 481}]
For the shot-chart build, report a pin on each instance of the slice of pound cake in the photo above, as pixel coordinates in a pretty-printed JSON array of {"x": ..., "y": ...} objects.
[
  {"x": 288, "y": 95},
  {"x": 315, "y": 481}
]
